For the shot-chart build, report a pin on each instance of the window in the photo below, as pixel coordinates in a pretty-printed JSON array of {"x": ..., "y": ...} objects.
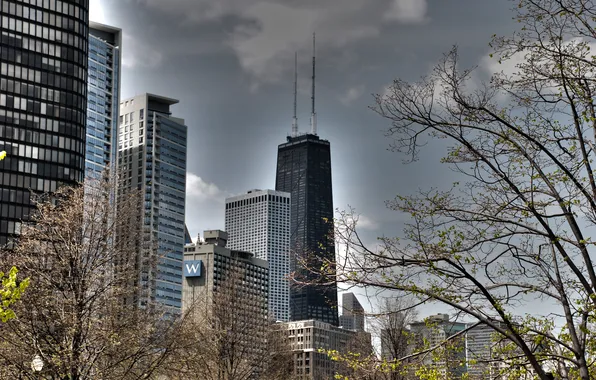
[{"x": 141, "y": 114}]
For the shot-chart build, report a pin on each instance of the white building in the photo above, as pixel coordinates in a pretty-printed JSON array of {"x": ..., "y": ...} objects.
[{"x": 259, "y": 222}]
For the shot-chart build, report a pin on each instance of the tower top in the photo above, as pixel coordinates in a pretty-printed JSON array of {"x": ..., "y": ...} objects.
[
  {"x": 295, "y": 119},
  {"x": 313, "y": 115}
]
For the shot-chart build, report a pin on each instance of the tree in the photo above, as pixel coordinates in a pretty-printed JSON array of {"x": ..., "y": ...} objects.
[
  {"x": 518, "y": 226},
  {"x": 11, "y": 292},
  {"x": 76, "y": 318}
]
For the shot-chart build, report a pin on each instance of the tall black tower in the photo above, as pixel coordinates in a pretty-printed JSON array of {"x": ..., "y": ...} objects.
[
  {"x": 304, "y": 171},
  {"x": 43, "y": 102}
]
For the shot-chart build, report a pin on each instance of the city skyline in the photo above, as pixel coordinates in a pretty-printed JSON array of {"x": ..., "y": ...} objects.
[{"x": 222, "y": 75}]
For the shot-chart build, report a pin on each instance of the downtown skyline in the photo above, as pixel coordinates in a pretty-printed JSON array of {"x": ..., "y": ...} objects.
[{"x": 238, "y": 92}]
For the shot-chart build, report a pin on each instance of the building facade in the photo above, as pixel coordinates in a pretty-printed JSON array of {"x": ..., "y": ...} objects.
[
  {"x": 103, "y": 99},
  {"x": 152, "y": 158},
  {"x": 228, "y": 289},
  {"x": 43, "y": 102},
  {"x": 352, "y": 317},
  {"x": 304, "y": 171},
  {"x": 259, "y": 222},
  {"x": 306, "y": 338},
  {"x": 434, "y": 330}
]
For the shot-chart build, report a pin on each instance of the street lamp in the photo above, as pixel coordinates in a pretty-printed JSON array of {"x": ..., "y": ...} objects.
[{"x": 37, "y": 364}]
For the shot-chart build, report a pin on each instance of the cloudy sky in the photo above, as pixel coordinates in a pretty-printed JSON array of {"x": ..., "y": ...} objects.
[{"x": 230, "y": 63}]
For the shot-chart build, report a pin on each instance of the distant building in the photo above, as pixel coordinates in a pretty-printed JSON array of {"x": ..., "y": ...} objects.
[
  {"x": 259, "y": 222},
  {"x": 352, "y": 317},
  {"x": 152, "y": 159},
  {"x": 436, "y": 329},
  {"x": 307, "y": 337},
  {"x": 103, "y": 98},
  {"x": 304, "y": 171},
  {"x": 480, "y": 346},
  {"x": 234, "y": 285}
]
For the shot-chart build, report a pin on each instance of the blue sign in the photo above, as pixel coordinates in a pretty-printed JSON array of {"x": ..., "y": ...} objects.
[{"x": 192, "y": 268}]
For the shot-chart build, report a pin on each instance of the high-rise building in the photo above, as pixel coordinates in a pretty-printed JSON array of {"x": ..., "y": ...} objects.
[
  {"x": 228, "y": 288},
  {"x": 103, "y": 98},
  {"x": 43, "y": 102},
  {"x": 259, "y": 222},
  {"x": 435, "y": 330},
  {"x": 152, "y": 159},
  {"x": 352, "y": 317},
  {"x": 304, "y": 171}
]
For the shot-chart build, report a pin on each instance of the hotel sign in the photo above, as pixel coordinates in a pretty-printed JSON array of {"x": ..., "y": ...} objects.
[{"x": 192, "y": 268}]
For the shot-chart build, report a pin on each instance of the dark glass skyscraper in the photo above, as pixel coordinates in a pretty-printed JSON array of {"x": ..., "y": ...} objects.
[
  {"x": 43, "y": 100},
  {"x": 304, "y": 171}
]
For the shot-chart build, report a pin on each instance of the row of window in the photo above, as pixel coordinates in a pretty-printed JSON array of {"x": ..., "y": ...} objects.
[
  {"x": 40, "y": 138},
  {"x": 37, "y": 77},
  {"x": 40, "y": 39}
]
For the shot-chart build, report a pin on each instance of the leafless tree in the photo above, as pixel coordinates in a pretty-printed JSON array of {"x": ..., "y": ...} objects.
[
  {"x": 74, "y": 316},
  {"x": 517, "y": 228}
]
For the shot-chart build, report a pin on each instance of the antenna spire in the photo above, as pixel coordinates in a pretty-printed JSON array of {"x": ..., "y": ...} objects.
[
  {"x": 313, "y": 115},
  {"x": 295, "y": 119}
]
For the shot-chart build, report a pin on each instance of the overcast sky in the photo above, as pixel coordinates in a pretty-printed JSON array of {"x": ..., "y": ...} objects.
[{"x": 230, "y": 63}]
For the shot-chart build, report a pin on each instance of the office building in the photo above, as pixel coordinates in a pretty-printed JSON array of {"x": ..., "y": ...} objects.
[
  {"x": 43, "y": 102},
  {"x": 103, "y": 99},
  {"x": 306, "y": 338},
  {"x": 480, "y": 347},
  {"x": 352, "y": 317},
  {"x": 152, "y": 159},
  {"x": 435, "y": 330},
  {"x": 259, "y": 222},
  {"x": 304, "y": 171},
  {"x": 228, "y": 288}
]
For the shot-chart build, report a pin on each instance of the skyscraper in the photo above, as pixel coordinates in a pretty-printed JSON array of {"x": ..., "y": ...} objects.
[
  {"x": 152, "y": 159},
  {"x": 259, "y": 222},
  {"x": 43, "y": 101},
  {"x": 103, "y": 98},
  {"x": 304, "y": 171},
  {"x": 352, "y": 317}
]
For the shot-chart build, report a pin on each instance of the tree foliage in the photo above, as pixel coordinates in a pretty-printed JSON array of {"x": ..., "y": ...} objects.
[
  {"x": 516, "y": 231},
  {"x": 11, "y": 292}
]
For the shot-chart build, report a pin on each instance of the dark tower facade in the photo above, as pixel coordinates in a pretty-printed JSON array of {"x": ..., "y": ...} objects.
[
  {"x": 43, "y": 101},
  {"x": 304, "y": 170}
]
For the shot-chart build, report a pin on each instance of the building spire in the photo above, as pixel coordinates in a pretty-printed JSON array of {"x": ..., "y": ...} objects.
[
  {"x": 313, "y": 115},
  {"x": 295, "y": 119}
]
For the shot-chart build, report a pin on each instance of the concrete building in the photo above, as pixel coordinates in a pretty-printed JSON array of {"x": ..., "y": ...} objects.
[
  {"x": 436, "y": 329},
  {"x": 103, "y": 98},
  {"x": 43, "y": 102},
  {"x": 259, "y": 222},
  {"x": 152, "y": 159},
  {"x": 307, "y": 337},
  {"x": 352, "y": 317},
  {"x": 228, "y": 288}
]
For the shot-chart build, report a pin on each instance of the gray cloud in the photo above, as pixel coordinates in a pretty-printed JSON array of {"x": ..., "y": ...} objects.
[{"x": 273, "y": 30}]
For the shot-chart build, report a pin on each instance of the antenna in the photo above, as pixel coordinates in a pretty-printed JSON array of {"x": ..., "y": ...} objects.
[
  {"x": 313, "y": 115},
  {"x": 295, "y": 119}
]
